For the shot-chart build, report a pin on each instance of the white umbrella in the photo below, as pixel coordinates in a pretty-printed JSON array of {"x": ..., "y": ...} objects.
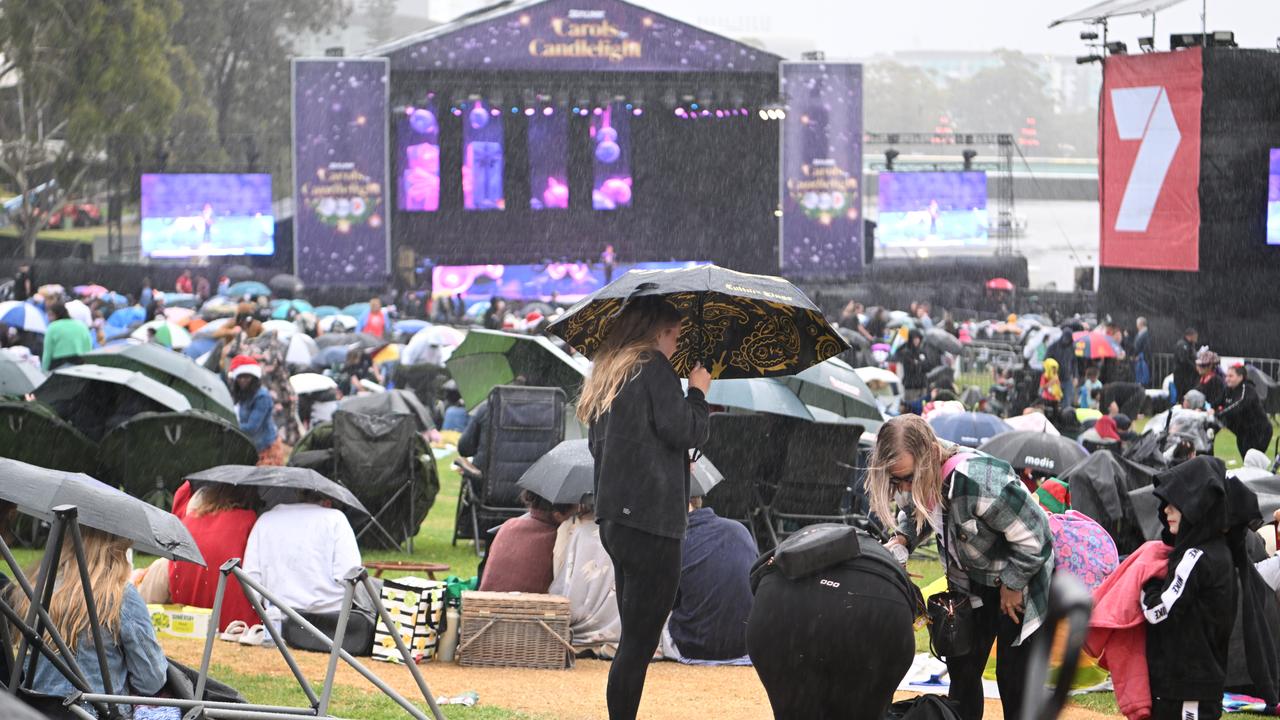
[
  {"x": 338, "y": 323},
  {"x": 212, "y": 327},
  {"x": 432, "y": 345},
  {"x": 79, "y": 311},
  {"x": 284, "y": 329},
  {"x": 302, "y": 348},
  {"x": 23, "y": 316},
  {"x": 1035, "y": 422},
  {"x": 178, "y": 338},
  {"x": 307, "y": 383}
]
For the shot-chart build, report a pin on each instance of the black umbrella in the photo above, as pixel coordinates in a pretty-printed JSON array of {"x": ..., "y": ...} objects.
[
  {"x": 37, "y": 491},
  {"x": 33, "y": 433},
  {"x": 286, "y": 478},
  {"x": 18, "y": 377},
  {"x": 391, "y": 402},
  {"x": 95, "y": 399},
  {"x": 564, "y": 476},
  {"x": 854, "y": 338},
  {"x": 202, "y": 388},
  {"x": 236, "y": 273},
  {"x": 943, "y": 340},
  {"x": 1042, "y": 452},
  {"x": 835, "y": 386},
  {"x": 364, "y": 341},
  {"x": 740, "y": 325},
  {"x": 286, "y": 285}
]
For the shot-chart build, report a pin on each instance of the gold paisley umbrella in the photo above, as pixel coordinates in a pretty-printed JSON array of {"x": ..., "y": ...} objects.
[{"x": 738, "y": 325}]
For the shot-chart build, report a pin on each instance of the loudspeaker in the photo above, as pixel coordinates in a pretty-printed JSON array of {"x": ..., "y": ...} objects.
[
  {"x": 868, "y": 242},
  {"x": 1084, "y": 279}
]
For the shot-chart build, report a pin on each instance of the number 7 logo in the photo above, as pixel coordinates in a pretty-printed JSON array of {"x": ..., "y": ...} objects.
[{"x": 1144, "y": 113}]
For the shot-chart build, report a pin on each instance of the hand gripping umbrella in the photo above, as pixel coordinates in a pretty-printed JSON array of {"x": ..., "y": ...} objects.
[{"x": 738, "y": 325}]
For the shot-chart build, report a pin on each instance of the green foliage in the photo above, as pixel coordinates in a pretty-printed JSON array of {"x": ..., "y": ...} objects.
[{"x": 901, "y": 98}]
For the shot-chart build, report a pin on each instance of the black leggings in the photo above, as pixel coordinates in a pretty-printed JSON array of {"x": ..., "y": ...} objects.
[
  {"x": 1254, "y": 438},
  {"x": 1162, "y": 709},
  {"x": 990, "y": 625},
  {"x": 830, "y": 647},
  {"x": 646, "y": 574}
]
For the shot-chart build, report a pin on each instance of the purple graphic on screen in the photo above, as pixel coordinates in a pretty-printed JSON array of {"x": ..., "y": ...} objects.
[
  {"x": 340, "y": 171},
  {"x": 821, "y": 170},
  {"x": 482, "y": 158},
  {"x": 611, "y": 155},
  {"x": 207, "y": 214},
  {"x": 932, "y": 209},
  {"x": 549, "y": 160},
  {"x": 418, "y": 158},
  {"x": 580, "y": 35},
  {"x": 569, "y": 281},
  {"x": 1273, "y": 200}
]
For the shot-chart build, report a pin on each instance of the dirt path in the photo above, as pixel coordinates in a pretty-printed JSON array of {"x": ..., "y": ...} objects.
[{"x": 672, "y": 692}]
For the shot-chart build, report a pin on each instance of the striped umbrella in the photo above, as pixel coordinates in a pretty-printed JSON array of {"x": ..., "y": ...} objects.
[
  {"x": 23, "y": 316},
  {"x": 1096, "y": 345}
]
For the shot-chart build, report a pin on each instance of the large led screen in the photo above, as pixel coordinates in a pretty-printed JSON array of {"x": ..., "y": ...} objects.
[
  {"x": 192, "y": 215},
  {"x": 1273, "y": 200},
  {"x": 931, "y": 209}
]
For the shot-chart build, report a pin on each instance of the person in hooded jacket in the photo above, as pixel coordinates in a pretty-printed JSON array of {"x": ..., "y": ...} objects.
[
  {"x": 1210, "y": 382},
  {"x": 1063, "y": 350},
  {"x": 915, "y": 366},
  {"x": 1191, "y": 611},
  {"x": 1241, "y": 412}
]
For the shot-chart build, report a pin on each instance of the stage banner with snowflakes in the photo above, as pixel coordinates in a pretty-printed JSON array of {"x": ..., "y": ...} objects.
[
  {"x": 821, "y": 180},
  {"x": 340, "y": 171}
]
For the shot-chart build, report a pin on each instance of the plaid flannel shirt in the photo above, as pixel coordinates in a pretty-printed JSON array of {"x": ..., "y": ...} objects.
[{"x": 998, "y": 535}]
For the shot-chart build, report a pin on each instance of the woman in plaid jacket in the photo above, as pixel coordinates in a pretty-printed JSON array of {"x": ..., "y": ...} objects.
[{"x": 996, "y": 541}]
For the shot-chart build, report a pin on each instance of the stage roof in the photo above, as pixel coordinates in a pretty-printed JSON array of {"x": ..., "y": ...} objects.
[
  {"x": 1115, "y": 8},
  {"x": 572, "y": 36}
]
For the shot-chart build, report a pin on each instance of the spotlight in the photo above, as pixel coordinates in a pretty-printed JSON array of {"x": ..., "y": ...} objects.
[
  {"x": 528, "y": 112},
  {"x": 1116, "y": 47},
  {"x": 637, "y": 112},
  {"x": 1088, "y": 35},
  {"x": 1147, "y": 44},
  {"x": 889, "y": 156},
  {"x": 1086, "y": 59},
  {"x": 548, "y": 110},
  {"x": 969, "y": 154},
  {"x": 765, "y": 115}
]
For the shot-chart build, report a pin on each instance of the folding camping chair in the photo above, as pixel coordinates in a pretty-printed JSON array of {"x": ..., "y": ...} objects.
[
  {"x": 745, "y": 451},
  {"x": 377, "y": 457},
  {"x": 524, "y": 424},
  {"x": 816, "y": 483}
]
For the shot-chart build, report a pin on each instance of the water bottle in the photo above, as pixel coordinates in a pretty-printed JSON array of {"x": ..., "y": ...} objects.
[{"x": 449, "y": 638}]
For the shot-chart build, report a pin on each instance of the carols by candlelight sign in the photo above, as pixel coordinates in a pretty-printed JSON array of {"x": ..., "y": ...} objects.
[{"x": 587, "y": 34}]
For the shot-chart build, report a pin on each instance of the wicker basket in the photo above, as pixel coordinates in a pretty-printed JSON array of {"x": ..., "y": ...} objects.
[{"x": 514, "y": 630}]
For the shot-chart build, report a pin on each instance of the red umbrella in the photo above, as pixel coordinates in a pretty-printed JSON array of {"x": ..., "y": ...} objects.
[
  {"x": 1000, "y": 284},
  {"x": 1095, "y": 345}
]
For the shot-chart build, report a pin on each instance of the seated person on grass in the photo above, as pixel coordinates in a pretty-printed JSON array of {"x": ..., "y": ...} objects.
[
  {"x": 584, "y": 574},
  {"x": 519, "y": 559}
]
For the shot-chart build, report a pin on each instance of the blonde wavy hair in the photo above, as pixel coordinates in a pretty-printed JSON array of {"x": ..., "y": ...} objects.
[
  {"x": 629, "y": 344},
  {"x": 907, "y": 435},
  {"x": 109, "y": 568},
  {"x": 214, "y": 498}
]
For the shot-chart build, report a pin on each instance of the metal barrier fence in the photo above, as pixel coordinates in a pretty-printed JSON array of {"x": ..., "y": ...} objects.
[
  {"x": 1162, "y": 366},
  {"x": 981, "y": 356}
]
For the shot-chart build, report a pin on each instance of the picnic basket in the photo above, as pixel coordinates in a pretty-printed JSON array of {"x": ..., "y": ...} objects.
[{"x": 525, "y": 630}]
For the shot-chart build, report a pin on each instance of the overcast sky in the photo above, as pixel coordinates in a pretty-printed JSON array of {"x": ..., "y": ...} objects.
[{"x": 859, "y": 28}]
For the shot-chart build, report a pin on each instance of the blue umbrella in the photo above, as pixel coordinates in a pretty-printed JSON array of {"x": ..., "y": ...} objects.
[
  {"x": 478, "y": 309},
  {"x": 968, "y": 428},
  {"x": 330, "y": 356},
  {"x": 114, "y": 298},
  {"x": 325, "y": 311},
  {"x": 181, "y": 300},
  {"x": 23, "y": 316},
  {"x": 126, "y": 316},
  {"x": 356, "y": 310},
  {"x": 282, "y": 309},
  {"x": 410, "y": 327},
  {"x": 248, "y": 287}
]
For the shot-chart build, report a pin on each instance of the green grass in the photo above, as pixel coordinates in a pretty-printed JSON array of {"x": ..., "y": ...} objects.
[
  {"x": 80, "y": 234},
  {"x": 350, "y": 702}
]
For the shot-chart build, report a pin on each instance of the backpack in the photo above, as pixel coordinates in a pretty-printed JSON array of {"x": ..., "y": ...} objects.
[{"x": 924, "y": 707}]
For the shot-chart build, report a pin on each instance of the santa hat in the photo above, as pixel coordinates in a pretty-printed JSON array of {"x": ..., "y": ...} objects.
[{"x": 244, "y": 365}]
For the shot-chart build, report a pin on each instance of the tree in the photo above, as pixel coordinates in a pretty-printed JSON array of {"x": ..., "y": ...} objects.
[
  {"x": 241, "y": 51},
  {"x": 1001, "y": 98},
  {"x": 900, "y": 98},
  {"x": 381, "y": 14},
  {"x": 86, "y": 76}
]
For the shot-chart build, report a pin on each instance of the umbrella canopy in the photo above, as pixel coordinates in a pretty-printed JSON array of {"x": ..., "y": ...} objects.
[
  {"x": 970, "y": 429},
  {"x": 284, "y": 309},
  {"x": 364, "y": 341},
  {"x": 741, "y": 325},
  {"x": 210, "y": 328},
  {"x": 331, "y": 356},
  {"x": 126, "y": 316},
  {"x": 95, "y": 399},
  {"x": 488, "y": 358},
  {"x": 307, "y": 383},
  {"x": 284, "y": 329},
  {"x": 150, "y": 454},
  {"x": 37, "y": 491},
  {"x": 181, "y": 300},
  {"x": 836, "y": 387},
  {"x": 408, "y": 327},
  {"x": 764, "y": 395},
  {"x": 943, "y": 340},
  {"x": 337, "y": 323},
  {"x": 202, "y": 388},
  {"x": 219, "y": 307},
  {"x": 23, "y": 316},
  {"x": 90, "y": 291},
  {"x": 33, "y": 433},
  {"x": 391, "y": 402},
  {"x": 1095, "y": 345},
  {"x": 286, "y": 284},
  {"x": 168, "y": 334},
  {"x": 1000, "y": 284},
  {"x": 248, "y": 287},
  {"x": 1032, "y": 422},
  {"x": 302, "y": 349},
  {"x": 356, "y": 310},
  {"x": 389, "y": 353},
  {"x": 324, "y": 311},
  {"x": 432, "y": 345},
  {"x": 287, "y": 478},
  {"x": 564, "y": 476},
  {"x": 18, "y": 377},
  {"x": 237, "y": 272},
  {"x": 179, "y": 316},
  {"x": 78, "y": 311},
  {"x": 1038, "y": 451}
]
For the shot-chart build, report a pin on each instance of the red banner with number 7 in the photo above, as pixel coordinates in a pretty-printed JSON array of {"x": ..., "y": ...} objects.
[{"x": 1150, "y": 161}]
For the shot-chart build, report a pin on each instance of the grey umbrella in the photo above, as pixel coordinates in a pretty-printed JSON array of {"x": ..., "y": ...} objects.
[
  {"x": 69, "y": 382},
  {"x": 391, "y": 402},
  {"x": 14, "y": 709},
  {"x": 943, "y": 340},
  {"x": 37, "y": 491},
  {"x": 18, "y": 377},
  {"x": 287, "y": 478},
  {"x": 565, "y": 476},
  {"x": 834, "y": 386},
  {"x": 202, "y": 388}
]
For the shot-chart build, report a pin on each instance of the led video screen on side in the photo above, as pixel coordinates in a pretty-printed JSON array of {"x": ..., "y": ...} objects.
[
  {"x": 1273, "y": 200},
  {"x": 195, "y": 215},
  {"x": 932, "y": 209}
]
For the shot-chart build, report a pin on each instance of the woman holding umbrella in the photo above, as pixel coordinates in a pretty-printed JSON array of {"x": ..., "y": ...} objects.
[
  {"x": 641, "y": 429},
  {"x": 997, "y": 548}
]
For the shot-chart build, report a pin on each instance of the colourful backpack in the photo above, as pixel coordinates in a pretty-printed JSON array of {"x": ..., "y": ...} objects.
[{"x": 1082, "y": 547}]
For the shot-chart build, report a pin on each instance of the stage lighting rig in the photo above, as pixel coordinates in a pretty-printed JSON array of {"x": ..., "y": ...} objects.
[
  {"x": 889, "y": 156},
  {"x": 1086, "y": 59},
  {"x": 1117, "y": 47},
  {"x": 1147, "y": 44},
  {"x": 969, "y": 154}
]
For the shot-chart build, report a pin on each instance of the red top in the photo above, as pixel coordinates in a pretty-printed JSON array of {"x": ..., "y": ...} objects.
[
  {"x": 183, "y": 285},
  {"x": 181, "y": 498},
  {"x": 220, "y": 537},
  {"x": 376, "y": 325},
  {"x": 519, "y": 559}
]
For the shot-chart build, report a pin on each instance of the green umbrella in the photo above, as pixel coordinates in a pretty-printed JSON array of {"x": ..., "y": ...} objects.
[
  {"x": 202, "y": 388},
  {"x": 95, "y": 399},
  {"x": 488, "y": 358},
  {"x": 18, "y": 377},
  {"x": 33, "y": 433},
  {"x": 834, "y": 386}
]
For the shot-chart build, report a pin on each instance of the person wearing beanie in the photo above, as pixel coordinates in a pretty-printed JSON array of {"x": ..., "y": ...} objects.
[
  {"x": 1210, "y": 383},
  {"x": 254, "y": 406}
]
